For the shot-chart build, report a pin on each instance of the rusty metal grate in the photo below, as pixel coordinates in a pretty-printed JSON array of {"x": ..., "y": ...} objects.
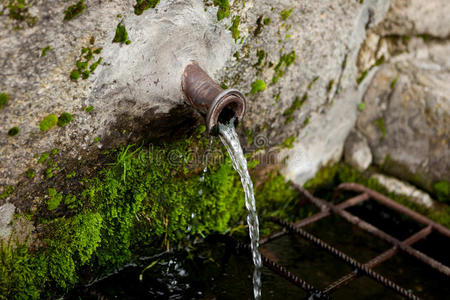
[{"x": 360, "y": 269}]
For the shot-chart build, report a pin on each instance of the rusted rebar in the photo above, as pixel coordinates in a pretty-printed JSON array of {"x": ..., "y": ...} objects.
[
  {"x": 347, "y": 259},
  {"x": 313, "y": 292},
  {"x": 378, "y": 232},
  {"x": 350, "y": 186},
  {"x": 316, "y": 217},
  {"x": 327, "y": 208},
  {"x": 378, "y": 260}
]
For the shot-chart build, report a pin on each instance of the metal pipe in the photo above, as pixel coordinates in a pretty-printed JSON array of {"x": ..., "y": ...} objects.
[{"x": 216, "y": 104}]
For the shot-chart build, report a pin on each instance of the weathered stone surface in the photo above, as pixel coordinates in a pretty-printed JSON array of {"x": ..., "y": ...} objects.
[
  {"x": 6, "y": 215},
  {"x": 407, "y": 115},
  {"x": 132, "y": 91},
  {"x": 357, "y": 152},
  {"x": 416, "y": 17},
  {"x": 322, "y": 140},
  {"x": 402, "y": 188},
  {"x": 136, "y": 91}
]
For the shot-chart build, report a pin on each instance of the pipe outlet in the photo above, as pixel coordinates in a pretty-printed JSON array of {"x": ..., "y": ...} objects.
[{"x": 216, "y": 104}]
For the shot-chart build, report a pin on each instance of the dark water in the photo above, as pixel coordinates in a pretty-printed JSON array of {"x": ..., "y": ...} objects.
[{"x": 209, "y": 271}]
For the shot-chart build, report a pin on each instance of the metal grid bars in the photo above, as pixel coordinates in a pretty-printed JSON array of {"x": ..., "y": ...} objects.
[{"x": 326, "y": 209}]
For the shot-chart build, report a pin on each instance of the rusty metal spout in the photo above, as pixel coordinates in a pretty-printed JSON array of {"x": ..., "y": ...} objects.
[{"x": 216, "y": 104}]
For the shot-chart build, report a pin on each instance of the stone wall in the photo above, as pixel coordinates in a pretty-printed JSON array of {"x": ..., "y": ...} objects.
[{"x": 317, "y": 59}]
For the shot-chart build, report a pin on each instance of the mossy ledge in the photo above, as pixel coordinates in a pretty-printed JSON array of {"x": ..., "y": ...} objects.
[{"x": 147, "y": 197}]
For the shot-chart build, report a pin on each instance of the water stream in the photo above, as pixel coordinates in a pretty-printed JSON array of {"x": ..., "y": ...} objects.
[{"x": 231, "y": 141}]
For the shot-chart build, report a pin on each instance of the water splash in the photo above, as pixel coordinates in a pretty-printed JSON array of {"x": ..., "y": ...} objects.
[{"x": 230, "y": 139}]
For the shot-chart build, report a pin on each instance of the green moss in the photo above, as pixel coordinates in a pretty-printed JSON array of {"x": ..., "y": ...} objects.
[
  {"x": 71, "y": 201},
  {"x": 377, "y": 63},
  {"x": 306, "y": 122},
  {"x": 142, "y": 5},
  {"x": 330, "y": 85},
  {"x": 45, "y": 50},
  {"x": 26, "y": 274},
  {"x": 48, "y": 173},
  {"x": 267, "y": 21},
  {"x": 4, "y": 98},
  {"x": 82, "y": 65},
  {"x": 71, "y": 174},
  {"x": 18, "y": 10},
  {"x": 54, "y": 151},
  {"x": 224, "y": 9},
  {"x": 145, "y": 197},
  {"x": 85, "y": 74},
  {"x": 43, "y": 158},
  {"x": 283, "y": 202},
  {"x": 75, "y": 75},
  {"x": 83, "y": 69},
  {"x": 277, "y": 96},
  {"x": 48, "y": 122},
  {"x": 30, "y": 174},
  {"x": 261, "y": 54},
  {"x": 54, "y": 199},
  {"x": 74, "y": 11},
  {"x": 361, "y": 106},
  {"x": 285, "y": 61},
  {"x": 96, "y": 139},
  {"x": 7, "y": 190},
  {"x": 288, "y": 142},
  {"x": 64, "y": 119},
  {"x": 121, "y": 35},
  {"x": 297, "y": 104},
  {"x": 442, "y": 191},
  {"x": 21, "y": 272},
  {"x": 394, "y": 81},
  {"x": 312, "y": 82},
  {"x": 285, "y": 13},
  {"x": 14, "y": 131},
  {"x": 234, "y": 28},
  {"x": 380, "y": 124},
  {"x": 258, "y": 86},
  {"x": 95, "y": 65},
  {"x": 362, "y": 76},
  {"x": 88, "y": 109}
]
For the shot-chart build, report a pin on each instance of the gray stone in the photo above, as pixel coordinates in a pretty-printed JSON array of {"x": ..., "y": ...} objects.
[
  {"x": 417, "y": 17},
  {"x": 6, "y": 215},
  {"x": 132, "y": 91},
  {"x": 357, "y": 152},
  {"x": 399, "y": 187},
  {"x": 136, "y": 91},
  {"x": 321, "y": 142},
  {"x": 407, "y": 115}
]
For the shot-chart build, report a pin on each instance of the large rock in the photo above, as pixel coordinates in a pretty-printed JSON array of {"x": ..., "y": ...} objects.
[
  {"x": 357, "y": 152},
  {"x": 407, "y": 115},
  {"x": 399, "y": 187},
  {"x": 417, "y": 17},
  {"x": 132, "y": 91}
]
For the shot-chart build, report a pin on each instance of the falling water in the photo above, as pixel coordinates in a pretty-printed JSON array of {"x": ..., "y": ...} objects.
[{"x": 231, "y": 141}]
